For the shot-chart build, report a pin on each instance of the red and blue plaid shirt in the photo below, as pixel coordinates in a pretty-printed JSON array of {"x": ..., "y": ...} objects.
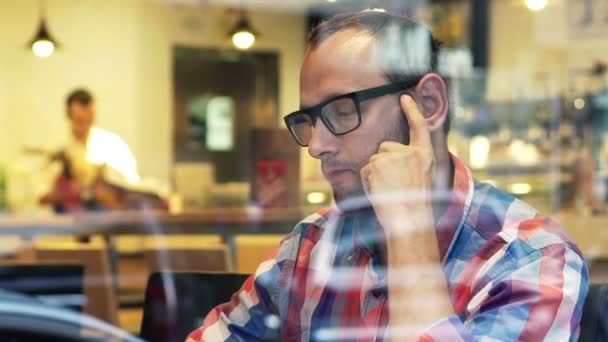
[{"x": 513, "y": 275}]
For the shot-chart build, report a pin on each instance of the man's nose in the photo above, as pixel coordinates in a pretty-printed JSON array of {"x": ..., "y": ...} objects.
[{"x": 322, "y": 141}]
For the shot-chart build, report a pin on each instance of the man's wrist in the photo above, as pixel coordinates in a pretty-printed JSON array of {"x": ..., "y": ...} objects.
[
  {"x": 413, "y": 245},
  {"x": 407, "y": 220}
]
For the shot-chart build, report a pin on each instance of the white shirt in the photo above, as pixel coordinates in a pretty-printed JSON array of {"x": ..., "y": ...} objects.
[{"x": 103, "y": 148}]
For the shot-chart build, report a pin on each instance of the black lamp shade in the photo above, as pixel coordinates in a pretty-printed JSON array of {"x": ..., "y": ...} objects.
[
  {"x": 43, "y": 34},
  {"x": 243, "y": 24}
]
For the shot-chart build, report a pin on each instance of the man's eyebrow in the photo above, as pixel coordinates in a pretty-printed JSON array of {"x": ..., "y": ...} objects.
[{"x": 326, "y": 98}]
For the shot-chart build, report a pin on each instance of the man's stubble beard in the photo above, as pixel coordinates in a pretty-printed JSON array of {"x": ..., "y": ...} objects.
[{"x": 355, "y": 199}]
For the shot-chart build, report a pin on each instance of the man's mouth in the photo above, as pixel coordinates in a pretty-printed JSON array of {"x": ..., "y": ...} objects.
[{"x": 335, "y": 174}]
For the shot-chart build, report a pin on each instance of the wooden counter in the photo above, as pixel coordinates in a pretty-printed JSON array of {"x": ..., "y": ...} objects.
[
  {"x": 589, "y": 232},
  {"x": 27, "y": 225},
  {"x": 219, "y": 221}
]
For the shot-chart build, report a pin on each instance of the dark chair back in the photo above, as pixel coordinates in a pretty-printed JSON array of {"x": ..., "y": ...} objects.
[
  {"x": 594, "y": 322},
  {"x": 177, "y": 302}
]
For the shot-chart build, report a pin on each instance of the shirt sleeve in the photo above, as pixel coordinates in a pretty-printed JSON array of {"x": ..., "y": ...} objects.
[
  {"x": 251, "y": 314},
  {"x": 537, "y": 298},
  {"x": 122, "y": 164}
]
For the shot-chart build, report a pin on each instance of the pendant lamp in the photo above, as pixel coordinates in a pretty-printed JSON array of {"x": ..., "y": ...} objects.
[
  {"x": 243, "y": 34},
  {"x": 43, "y": 44}
]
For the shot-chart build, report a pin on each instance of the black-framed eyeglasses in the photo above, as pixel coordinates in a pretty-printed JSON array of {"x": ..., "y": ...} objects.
[{"x": 340, "y": 114}]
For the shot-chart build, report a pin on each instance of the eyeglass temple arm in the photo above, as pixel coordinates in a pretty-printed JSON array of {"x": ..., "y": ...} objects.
[{"x": 384, "y": 90}]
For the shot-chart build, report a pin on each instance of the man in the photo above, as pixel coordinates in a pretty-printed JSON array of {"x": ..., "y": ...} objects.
[
  {"x": 92, "y": 154},
  {"x": 97, "y": 146},
  {"x": 416, "y": 249}
]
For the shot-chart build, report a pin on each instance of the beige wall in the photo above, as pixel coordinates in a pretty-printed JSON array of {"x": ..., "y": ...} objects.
[
  {"x": 121, "y": 50},
  {"x": 534, "y": 54}
]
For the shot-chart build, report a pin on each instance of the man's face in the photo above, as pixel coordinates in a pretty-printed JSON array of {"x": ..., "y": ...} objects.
[
  {"x": 81, "y": 119},
  {"x": 346, "y": 62}
]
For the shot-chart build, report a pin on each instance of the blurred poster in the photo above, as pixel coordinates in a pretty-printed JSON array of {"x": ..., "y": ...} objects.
[{"x": 271, "y": 183}]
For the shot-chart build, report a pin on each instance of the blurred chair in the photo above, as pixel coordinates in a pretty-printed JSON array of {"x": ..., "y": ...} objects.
[
  {"x": 138, "y": 255},
  {"x": 192, "y": 295},
  {"x": 67, "y": 239},
  {"x": 594, "y": 322},
  {"x": 251, "y": 250},
  {"x": 128, "y": 244},
  {"x": 182, "y": 256},
  {"x": 133, "y": 268},
  {"x": 181, "y": 240},
  {"x": 135, "y": 244},
  {"x": 98, "y": 283}
]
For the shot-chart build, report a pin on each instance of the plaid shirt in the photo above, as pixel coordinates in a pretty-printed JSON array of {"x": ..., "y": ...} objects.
[{"x": 513, "y": 275}]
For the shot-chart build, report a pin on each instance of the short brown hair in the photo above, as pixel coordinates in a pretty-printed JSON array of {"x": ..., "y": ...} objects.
[
  {"x": 379, "y": 25},
  {"x": 81, "y": 96}
]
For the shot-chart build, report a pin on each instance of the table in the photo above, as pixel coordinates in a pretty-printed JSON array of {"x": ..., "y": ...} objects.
[{"x": 223, "y": 221}]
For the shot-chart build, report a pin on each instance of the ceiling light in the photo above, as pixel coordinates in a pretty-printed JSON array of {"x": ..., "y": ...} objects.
[
  {"x": 243, "y": 39},
  {"x": 43, "y": 45},
  {"x": 536, "y": 5},
  {"x": 243, "y": 35},
  {"x": 43, "y": 48}
]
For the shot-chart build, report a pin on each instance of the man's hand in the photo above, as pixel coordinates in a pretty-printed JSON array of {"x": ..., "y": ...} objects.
[{"x": 398, "y": 179}]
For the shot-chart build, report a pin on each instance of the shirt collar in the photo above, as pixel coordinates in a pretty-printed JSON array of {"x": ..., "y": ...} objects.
[
  {"x": 358, "y": 229},
  {"x": 460, "y": 198}
]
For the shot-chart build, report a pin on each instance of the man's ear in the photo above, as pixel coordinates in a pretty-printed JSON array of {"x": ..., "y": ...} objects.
[{"x": 432, "y": 97}]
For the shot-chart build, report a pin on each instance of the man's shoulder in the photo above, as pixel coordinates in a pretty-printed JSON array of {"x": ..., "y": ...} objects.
[
  {"x": 319, "y": 218},
  {"x": 502, "y": 233},
  {"x": 494, "y": 214},
  {"x": 101, "y": 135}
]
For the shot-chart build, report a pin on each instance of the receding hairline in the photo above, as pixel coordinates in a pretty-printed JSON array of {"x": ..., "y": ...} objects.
[
  {"x": 354, "y": 30},
  {"x": 359, "y": 44},
  {"x": 372, "y": 22},
  {"x": 347, "y": 35},
  {"x": 375, "y": 24}
]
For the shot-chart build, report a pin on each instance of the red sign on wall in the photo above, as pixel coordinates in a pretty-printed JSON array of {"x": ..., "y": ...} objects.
[{"x": 271, "y": 183}]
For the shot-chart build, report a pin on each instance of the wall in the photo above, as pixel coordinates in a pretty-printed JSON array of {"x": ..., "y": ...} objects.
[
  {"x": 535, "y": 54},
  {"x": 121, "y": 50}
]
